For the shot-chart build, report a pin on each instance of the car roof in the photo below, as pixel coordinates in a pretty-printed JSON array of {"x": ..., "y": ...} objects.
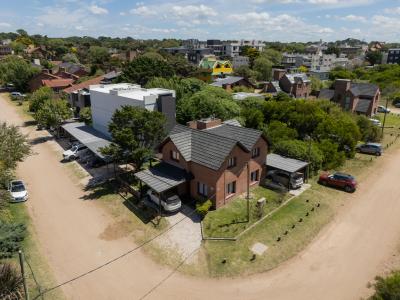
[
  {"x": 373, "y": 144},
  {"x": 343, "y": 174}
]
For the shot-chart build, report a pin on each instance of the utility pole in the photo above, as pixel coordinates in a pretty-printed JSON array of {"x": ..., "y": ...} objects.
[
  {"x": 309, "y": 139},
  {"x": 21, "y": 262},
  {"x": 384, "y": 118},
  {"x": 248, "y": 192}
]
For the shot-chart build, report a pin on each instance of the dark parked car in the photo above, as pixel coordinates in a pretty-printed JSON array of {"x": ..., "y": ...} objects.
[
  {"x": 339, "y": 180},
  {"x": 370, "y": 148}
]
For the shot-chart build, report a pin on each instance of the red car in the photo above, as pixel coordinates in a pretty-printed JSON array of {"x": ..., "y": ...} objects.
[{"x": 339, "y": 180}]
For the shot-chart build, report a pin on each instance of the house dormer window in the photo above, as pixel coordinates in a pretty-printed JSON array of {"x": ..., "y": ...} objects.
[
  {"x": 232, "y": 162},
  {"x": 255, "y": 152},
  {"x": 175, "y": 155}
]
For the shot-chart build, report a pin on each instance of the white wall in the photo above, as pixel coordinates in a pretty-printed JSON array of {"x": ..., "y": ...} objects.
[{"x": 103, "y": 107}]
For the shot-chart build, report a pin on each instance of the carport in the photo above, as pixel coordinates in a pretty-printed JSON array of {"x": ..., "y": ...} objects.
[
  {"x": 89, "y": 137},
  {"x": 286, "y": 164},
  {"x": 163, "y": 178}
]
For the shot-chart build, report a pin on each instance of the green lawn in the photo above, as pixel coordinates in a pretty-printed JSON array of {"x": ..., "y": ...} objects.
[{"x": 231, "y": 219}]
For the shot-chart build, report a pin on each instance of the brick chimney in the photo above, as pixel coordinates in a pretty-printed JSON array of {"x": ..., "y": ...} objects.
[
  {"x": 277, "y": 74},
  {"x": 204, "y": 123},
  {"x": 342, "y": 85}
]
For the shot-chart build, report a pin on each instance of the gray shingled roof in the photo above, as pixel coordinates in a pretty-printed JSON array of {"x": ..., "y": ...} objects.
[
  {"x": 163, "y": 177},
  {"x": 293, "y": 78},
  {"x": 364, "y": 89},
  {"x": 88, "y": 136},
  {"x": 233, "y": 122},
  {"x": 363, "y": 105},
  {"x": 246, "y": 136},
  {"x": 284, "y": 163},
  {"x": 203, "y": 147},
  {"x": 227, "y": 80},
  {"x": 326, "y": 94}
]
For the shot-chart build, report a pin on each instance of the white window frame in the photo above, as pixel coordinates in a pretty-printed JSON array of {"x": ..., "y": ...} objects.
[
  {"x": 257, "y": 176},
  {"x": 232, "y": 162},
  {"x": 202, "y": 189},
  {"x": 255, "y": 152},
  {"x": 175, "y": 155},
  {"x": 231, "y": 188}
]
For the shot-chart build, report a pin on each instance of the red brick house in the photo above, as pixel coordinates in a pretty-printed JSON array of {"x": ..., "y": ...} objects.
[
  {"x": 297, "y": 85},
  {"x": 220, "y": 161},
  {"x": 359, "y": 98}
]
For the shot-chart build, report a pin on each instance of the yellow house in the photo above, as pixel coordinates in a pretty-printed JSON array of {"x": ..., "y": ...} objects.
[{"x": 217, "y": 67}]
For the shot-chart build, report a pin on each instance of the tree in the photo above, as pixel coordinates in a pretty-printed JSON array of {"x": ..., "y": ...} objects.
[
  {"x": 332, "y": 157},
  {"x": 264, "y": 68},
  {"x": 53, "y": 113},
  {"x": 11, "y": 282},
  {"x": 39, "y": 97},
  {"x": 142, "y": 69},
  {"x": 251, "y": 53},
  {"x": 316, "y": 83},
  {"x": 17, "y": 71},
  {"x": 135, "y": 132},
  {"x": 153, "y": 55},
  {"x": 13, "y": 146},
  {"x": 300, "y": 150},
  {"x": 253, "y": 118},
  {"x": 374, "y": 57},
  {"x": 387, "y": 288},
  {"x": 272, "y": 55},
  {"x": 70, "y": 57},
  {"x": 57, "y": 46},
  {"x": 85, "y": 115},
  {"x": 98, "y": 57},
  {"x": 184, "y": 87},
  {"x": 278, "y": 131},
  {"x": 333, "y": 50},
  {"x": 210, "y": 101},
  {"x": 341, "y": 73},
  {"x": 369, "y": 132},
  {"x": 303, "y": 69}
]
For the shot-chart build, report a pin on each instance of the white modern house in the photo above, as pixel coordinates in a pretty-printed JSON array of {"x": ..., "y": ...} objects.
[{"x": 106, "y": 99}]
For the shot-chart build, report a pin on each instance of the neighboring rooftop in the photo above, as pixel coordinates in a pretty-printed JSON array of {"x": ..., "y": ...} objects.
[
  {"x": 84, "y": 84},
  {"x": 364, "y": 89},
  {"x": 296, "y": 77},
  {"x": 220, "y": 82},
  {"x": 57, "y": 83},
  {"x": 129, "y": 90},
  {"x": 285, "y": 163}
]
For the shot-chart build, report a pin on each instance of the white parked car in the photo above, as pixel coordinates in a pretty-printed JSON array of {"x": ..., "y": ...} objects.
[
  {"x": 383, "y": 109},
  {"x": 18, "y": 191},
  {"x": 17, "y": 94},
  {"x": 171, "y": 203},
  {"x": 75, "y": 152},
  {"x": 376, "y": 122}
]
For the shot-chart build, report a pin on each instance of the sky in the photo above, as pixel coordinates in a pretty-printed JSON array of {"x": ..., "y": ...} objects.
[{"x": 267, "y": 20}]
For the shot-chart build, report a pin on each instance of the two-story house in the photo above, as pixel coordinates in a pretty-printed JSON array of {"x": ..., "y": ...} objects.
[
  {"x": 221, "y": 161},
  {"x": 297, "y": 85},
  {"x": 360, "y": 98}
]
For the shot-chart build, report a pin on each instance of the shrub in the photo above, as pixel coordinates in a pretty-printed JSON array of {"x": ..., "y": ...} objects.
[
  {"x": 387, "y": 288},
  {"x": 11, "y": 282},
  {"x": 5, "y": 198},
  {"x": 11, "y": 235},
  {"x": 202, "y": 207}
]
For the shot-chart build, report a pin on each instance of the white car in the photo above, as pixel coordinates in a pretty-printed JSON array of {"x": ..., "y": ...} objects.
[
  {"x": 376, "y": 122},
  {"x": 170, "y": 203},
  {"x": 383, "y": 109},
  {"x": 17, "y": 94},
  {"x": 18, "y": 191},
  {"x": 75, "y": 152}
]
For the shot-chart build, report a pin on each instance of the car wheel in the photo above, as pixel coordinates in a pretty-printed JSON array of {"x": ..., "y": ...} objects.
[
  {"x": 323, "y": 182},
  {"x": 349, "y": 189},
  {"x": 378, "y": 154}
]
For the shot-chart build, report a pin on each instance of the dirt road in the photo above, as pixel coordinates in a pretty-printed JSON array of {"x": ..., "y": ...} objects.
[{"x": 337, "y": 265}]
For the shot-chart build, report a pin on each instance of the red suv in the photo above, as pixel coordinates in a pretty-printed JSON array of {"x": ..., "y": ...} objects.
[{"x": 339, "y": 180}]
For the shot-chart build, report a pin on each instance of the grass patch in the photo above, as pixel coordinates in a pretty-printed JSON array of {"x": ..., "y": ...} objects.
[
  {"x": 232, "y": 219},
  {"x": 17, "y": 213}
]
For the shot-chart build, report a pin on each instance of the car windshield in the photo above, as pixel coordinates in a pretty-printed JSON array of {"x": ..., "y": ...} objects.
[{"x": 17, "y": 188}]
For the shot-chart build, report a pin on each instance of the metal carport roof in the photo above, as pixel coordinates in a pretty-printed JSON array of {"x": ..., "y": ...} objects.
[
  {"x": 284, "y": 163},
  {"x": 88, "y": 136},
  {"x": 163, "y": 177}
]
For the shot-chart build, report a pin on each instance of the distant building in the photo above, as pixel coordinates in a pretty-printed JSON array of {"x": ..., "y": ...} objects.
[
  {"x": 297, "y": 85},
  {"x": 106, "y": 99},
  {"x": 216, "y": 68},
  {"x": 228, "y": 83},
  {"x": 6, "y": 50},
  {"x": 360, "y": 98},
  {"x": 240, "y": 61},
  {"x": 393, "y": 56},
  {"x": 235, "y": 48},
  {"x": 350, "y": 51}
]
